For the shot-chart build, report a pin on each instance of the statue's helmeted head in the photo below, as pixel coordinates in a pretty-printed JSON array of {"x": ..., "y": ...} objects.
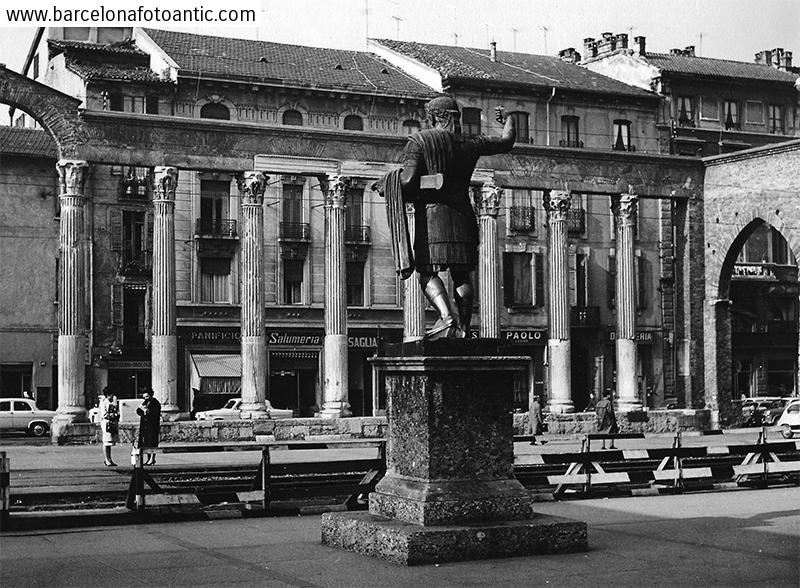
[{"x": 443, "y": 113}]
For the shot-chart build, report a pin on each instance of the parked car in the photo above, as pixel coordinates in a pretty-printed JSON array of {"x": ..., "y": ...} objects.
[
  {"x": 753, "y": 409},
  {"x": 790, "y": 419},
  {"x": 22, "y": 414},
  {"x": 232, "y": 411},
  {"x": 775, "y": 410}
]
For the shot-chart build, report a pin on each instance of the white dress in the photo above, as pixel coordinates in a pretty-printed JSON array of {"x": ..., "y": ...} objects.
[{"x": 110, "y": 438}]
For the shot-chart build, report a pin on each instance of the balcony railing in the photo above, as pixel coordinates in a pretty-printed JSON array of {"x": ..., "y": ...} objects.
[
  {"x": 585, "y": 316},
  {"x": 295, "y": 232},
  {"x": 630, "y": 148},
  {"x": 216, "y": 228},
  {"x": 566, "y": 143},
  {"x": 357, "y": 234},
  {"x": 576, "y": 222},
  {"x": 138, "y": 263},
  {"x": 522, "y": 218}
]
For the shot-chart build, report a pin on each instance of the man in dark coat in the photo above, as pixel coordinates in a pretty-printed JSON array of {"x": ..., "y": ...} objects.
[
  {"x": 437, "y": 168},
  {"x": 149, "y": 425},
  {"x": 606, "y": 419}
]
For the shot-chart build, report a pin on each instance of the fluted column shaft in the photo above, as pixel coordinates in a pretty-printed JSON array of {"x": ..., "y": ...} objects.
[
  {"x": 335, "y": 400},
  {"x": 253, "y": 338},
  {"x": 488, "y": 263},
  {"x": 624, "y": 210},
  {"x": 71, "y": 292},
  {"x": 414, "y": 299},
  {"x": 164, "y": 352},
  {"x": 557, "y": 204}
]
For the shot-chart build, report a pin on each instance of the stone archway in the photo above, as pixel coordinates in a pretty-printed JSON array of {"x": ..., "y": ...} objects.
[{"x": 55, "y": 111}]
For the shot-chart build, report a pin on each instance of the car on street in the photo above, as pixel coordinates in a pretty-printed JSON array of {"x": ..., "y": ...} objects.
[
  {"x": 232, "y": 411},
  {"x": 754, "y": 408},
  {"x": 22, "y": 414},
  {"x": 789, "y": 422},
  {"x": 773, "y": 412}
]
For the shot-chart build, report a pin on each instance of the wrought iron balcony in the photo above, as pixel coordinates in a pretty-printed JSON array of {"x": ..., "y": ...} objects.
[
  {"x": 295, "y": 232},
  {"x": 357, "y": 234},
  {"x": 221, "y": 228},
  {"x": 522, "y": 218},
  {"x": 574, "y": 144},
  {"x": 138, "y": 263},
  {"x": 576, "y": 222},
  {"x": 585, "y": 316}
]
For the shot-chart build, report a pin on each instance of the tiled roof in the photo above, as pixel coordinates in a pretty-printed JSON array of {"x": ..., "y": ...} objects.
[
  {"x": 120, "y": 48},
  {"x": 20, "y": 141},
  {"x": 514, "y": 68},
  {"x": 286, "y": 64},
  {"x": 89, "y": 70},
  {"x": 721, "y": 68}
]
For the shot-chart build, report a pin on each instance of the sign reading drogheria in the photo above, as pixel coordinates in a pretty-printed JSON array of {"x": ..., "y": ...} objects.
[{"x": 640, "y": 337}]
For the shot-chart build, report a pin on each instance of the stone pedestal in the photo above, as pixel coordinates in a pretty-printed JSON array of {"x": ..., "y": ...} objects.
[{"x": 449, "y": 492}]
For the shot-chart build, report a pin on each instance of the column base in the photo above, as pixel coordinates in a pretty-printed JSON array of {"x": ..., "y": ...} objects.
[
  {"x": 629, "y": 406},
  {"x": 335, "y": 410},
  {"x": 64, "y": 417},
  {"x": 561, "y": 407},
  {"x": 172, "y": 413}
]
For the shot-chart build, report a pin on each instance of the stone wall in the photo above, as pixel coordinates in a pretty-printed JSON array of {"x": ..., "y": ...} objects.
[{"x": 652, "y": 421}]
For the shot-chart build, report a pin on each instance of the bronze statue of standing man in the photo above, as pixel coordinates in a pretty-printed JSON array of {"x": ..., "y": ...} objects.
[{"x": 437, "y": 167}]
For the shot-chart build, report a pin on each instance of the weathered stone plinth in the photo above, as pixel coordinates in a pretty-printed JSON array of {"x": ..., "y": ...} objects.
[{"x": 449, "y": 492}]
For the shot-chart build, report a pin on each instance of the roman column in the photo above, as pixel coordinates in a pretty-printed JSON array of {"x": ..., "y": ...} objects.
[
  {"x": 624, "y": 210},
  {"x": 488, "y": 263},
  {"x": 254, "y": 345},
  {"x": 164, "y": 352},
  {"x": 72, "y": 176},
  {"x": 557, "y": 205},
  {"x": 335, "y": 400},
  {"x": 414, "y": 299}
]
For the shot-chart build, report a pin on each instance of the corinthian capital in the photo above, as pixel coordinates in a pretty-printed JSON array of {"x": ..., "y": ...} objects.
[
  {"x": 253, "y": 186},
  {"x": 334, "y": 187},
  {"x": 557, "y": 203},
  {"x": 625, "y": 206},
  {"x": 72, "y": 176},
  {"x": 489, "y": 202},
  {"x": 166, "y": 178}
]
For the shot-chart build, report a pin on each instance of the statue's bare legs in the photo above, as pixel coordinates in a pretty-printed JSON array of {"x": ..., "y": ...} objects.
[
  {"x": 436, "y": 293},
  {"x": 464, "y": 295}
]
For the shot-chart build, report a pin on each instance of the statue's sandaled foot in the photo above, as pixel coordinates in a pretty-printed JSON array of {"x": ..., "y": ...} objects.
[{"x": 442, "y": 329}]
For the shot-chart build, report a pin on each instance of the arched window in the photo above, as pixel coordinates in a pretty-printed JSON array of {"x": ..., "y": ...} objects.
[
  {"x": 410, "y": 126},
  {"x": 353, "y": 123},
  {"x": 292, "y": 117},
  {"x": 215, "y": 110}
]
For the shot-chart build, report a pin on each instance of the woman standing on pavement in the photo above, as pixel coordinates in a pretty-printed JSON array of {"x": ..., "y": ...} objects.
[
  {"x": 149, "y": 425},
  {"x": 109, "y": 423}
]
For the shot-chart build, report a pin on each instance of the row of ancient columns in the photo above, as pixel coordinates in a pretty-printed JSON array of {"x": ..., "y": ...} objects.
[{"x": 72, "y": 340}]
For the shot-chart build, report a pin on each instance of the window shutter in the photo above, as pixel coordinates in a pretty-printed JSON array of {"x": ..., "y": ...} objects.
[
  {"x": 116, "y": 304},
  {"x": 115, "y": 229},
  {"x": 611, "y": 283},
  {"x": 539, "y": 279},
  {"x": 148, "y": 228},
  {"x": 641, "y": 281},
  {"x": 573, "y": 279},
  {"x": 508, "y": 279}
]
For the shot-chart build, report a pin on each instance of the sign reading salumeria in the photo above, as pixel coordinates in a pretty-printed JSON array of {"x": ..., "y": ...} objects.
[{"x": 278, "y": 337}]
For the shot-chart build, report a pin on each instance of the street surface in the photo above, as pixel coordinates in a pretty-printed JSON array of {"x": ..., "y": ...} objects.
[{"x": 729, "y": 539}]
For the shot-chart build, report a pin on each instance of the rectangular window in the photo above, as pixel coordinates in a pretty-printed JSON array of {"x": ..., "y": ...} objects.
[
  {"x": 151, "y": 105},
  {"x": 354, "y": 204},
  {"x": 521, "y": 122},
  {"x": 580, "y": 279},
  {"x": 517, "y": 280},
  {"x": 522, "y": 213},
  {"x": 755, "y": 112},
  {"x": 686, "y": 111},
  {"x": 538, "y": 279},
  {"x": 355, "y": 283},
  {"x": 732, "y": 115},
  {"x": 292, "y": 203},
  {"x": 710, "y": 108},
  {"x": 641, "y": 283},
  {"x": 134, "y": 323},
  {"x": 611, "y": 281},
  {"x": 569, "y": 132},
  {"x": 214, "y": 200},
  {"x": 115, "y": 102},
  {"x": 214, "y": 279},
  {"x": 133, "y": 237},
  {"x": 134, "y": 104},
  {"x": 776, "y": 119},
  {"x": 293, "y": 281},
  {"x": 622, "y": 136},
  {"x": 471, "y": 121}
]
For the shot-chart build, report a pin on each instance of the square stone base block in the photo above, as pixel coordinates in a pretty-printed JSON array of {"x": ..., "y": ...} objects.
[{"x": 409, "y": 544}]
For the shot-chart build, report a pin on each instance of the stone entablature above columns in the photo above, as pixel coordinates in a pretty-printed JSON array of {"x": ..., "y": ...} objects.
[
  {"x": 488, "y": 262},
  {"x": 557, "y": 204},
  {"x": 624, "y": 208},
  {"x": 164, "y": 352},
  {"x": 72, "y": 176},
  {"x": 253, "y": 340},
  {"x": 335, "y": 397}
]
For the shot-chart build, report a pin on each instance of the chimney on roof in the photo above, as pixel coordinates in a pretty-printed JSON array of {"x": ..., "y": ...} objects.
[
  {"x": 689, "y": 51},
  {"x": 622, "y": 41},
  {"x": 764, "y": 57},
  {"x": 639, "y": 43},
  {"x": 590, "y": 47},
  {"x": 569, "y": 55},
  {"x": 675, "y": 51},
  {"x": 493, "y": 50},
  {"x": 787, "y": 60},
  {"x": 607, "y": 44}
]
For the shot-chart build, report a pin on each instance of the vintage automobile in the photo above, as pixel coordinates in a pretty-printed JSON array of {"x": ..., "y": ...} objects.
[
  {"x": 22, "y": 414},
  {"x": 790, "y": 419},
  {"x": 232, "y": 411}
]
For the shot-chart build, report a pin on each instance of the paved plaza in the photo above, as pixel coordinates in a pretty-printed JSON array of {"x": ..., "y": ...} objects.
[{"x": 743, "y": 538}]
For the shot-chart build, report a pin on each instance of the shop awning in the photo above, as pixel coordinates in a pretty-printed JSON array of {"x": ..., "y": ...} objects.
[{"x": 216, "y": 373}]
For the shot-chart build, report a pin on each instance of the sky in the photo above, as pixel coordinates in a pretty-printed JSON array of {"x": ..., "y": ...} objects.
[{"x": 730, "y": 29}]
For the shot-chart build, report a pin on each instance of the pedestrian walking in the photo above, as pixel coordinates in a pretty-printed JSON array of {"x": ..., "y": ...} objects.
[
  {"x": 109, "y": 423},
  {"x": 537, "y": 421},
  {"x": 149, "y": 425},
  {"x": 606, "y": 419},
  {"x": 591, "y": 406}
]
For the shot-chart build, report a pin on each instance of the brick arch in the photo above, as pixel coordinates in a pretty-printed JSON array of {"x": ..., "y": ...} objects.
[{"x": 55, "y": 111}]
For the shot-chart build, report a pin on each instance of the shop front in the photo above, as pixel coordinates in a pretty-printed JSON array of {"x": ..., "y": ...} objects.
[
  {"x": 649, "y": 387},
  {"x": 533, "y": 343}
]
